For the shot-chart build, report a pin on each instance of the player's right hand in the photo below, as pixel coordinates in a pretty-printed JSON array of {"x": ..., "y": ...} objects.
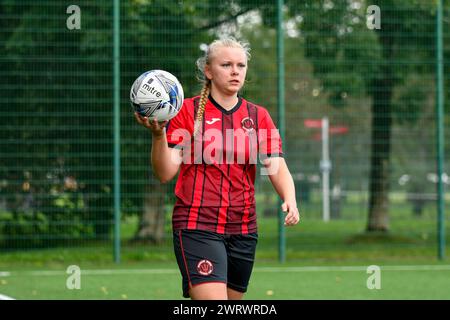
[{"x": 156, "y": 127}]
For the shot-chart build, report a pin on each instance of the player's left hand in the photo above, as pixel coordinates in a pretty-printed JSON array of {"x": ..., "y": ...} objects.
[{"x": 293, "y": 216}]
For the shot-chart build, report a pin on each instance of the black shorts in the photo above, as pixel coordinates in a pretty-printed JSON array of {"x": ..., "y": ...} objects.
[{"x": 205, "y": 256}]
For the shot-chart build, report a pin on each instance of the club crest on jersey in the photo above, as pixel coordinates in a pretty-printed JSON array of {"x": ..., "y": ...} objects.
[
  {"x": 247, "y": 124},
  {"x": 205, "y": 267}
]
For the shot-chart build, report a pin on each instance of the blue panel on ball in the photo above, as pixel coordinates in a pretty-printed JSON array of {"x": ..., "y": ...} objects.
[{"x": 173, "y": 94}]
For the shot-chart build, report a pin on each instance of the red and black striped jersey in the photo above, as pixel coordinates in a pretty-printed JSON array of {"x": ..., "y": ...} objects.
[{"x": 215, "y": 186}]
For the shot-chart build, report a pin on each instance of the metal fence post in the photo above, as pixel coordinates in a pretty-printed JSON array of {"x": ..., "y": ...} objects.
[
  {"x": 116, "y": 63},
  {"x": 281, "y": 120},
  {"x": 440, "y": 130}
]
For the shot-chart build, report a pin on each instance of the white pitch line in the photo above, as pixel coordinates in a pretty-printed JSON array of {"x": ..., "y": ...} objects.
[
  {"x": 258, "y": 270},
  {"x": 103, "y": 272},
  {"x": 3, "y": 297},
  {"x": 354, "y": 268}
]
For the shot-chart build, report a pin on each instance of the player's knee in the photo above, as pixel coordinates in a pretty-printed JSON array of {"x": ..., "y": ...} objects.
[
  {"x": 234, "y": 295},
  {"x": 209, "y": 291}
]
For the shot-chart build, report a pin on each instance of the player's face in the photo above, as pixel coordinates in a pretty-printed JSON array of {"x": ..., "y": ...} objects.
[{"x": 227, "y": 70}]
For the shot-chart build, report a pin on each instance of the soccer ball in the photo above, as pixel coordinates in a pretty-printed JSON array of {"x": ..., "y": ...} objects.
[{"x": 157, "y": 94}]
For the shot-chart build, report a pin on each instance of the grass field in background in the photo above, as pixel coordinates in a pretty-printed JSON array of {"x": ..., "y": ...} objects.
[{"x": 338, "y": 241}]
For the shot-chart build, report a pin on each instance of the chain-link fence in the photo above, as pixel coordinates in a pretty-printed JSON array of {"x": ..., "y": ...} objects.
[{"x": 368, "y": 68}]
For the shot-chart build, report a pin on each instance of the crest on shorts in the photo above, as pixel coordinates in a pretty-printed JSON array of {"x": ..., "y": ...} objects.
[
  {"x": 205, "y": 267},
  {"x": 247, "y": 124}
]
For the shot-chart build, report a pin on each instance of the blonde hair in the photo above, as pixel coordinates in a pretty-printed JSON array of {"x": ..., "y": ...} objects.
[{"x": 206, "y": 60}]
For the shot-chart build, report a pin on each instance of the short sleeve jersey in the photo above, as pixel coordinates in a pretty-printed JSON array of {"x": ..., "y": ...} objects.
[{"x": 215, "y": 186}]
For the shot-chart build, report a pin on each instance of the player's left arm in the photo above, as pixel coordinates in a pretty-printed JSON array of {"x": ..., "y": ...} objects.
[{"x": 283, "y": 183}]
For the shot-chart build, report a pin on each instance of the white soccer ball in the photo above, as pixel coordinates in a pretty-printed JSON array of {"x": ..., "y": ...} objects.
[{"x": 157, "y": 94}]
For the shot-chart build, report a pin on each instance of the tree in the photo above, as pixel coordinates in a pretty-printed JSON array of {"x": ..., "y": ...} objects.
[
  {"x": 338, "y": 42},
  {"x": 61, "y": 129},
  {"x": 54, "y": 111}
]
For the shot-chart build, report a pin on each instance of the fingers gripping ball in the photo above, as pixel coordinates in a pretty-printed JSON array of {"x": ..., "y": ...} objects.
[{"x": 157, "y": 94}]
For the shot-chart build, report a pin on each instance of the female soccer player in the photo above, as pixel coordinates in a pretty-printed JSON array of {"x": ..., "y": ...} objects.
[{"x": 215, "y": 141}]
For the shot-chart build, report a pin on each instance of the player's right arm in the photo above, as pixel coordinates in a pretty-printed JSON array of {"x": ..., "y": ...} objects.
[{"x": 165, "y": 161}]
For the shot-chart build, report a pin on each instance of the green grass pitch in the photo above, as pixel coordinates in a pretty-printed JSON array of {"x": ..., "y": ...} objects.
[
  {"x": 269, "y": 281},
  {"x": 324, "y": 261}
]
